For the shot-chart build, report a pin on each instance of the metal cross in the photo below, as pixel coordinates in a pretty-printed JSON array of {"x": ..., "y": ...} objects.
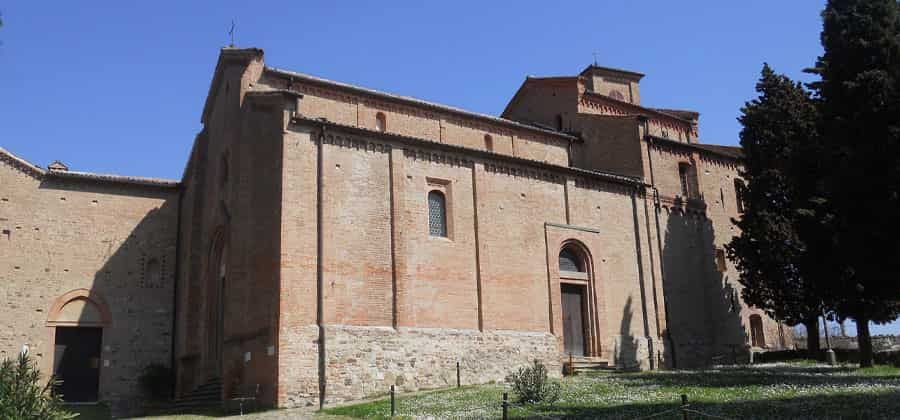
[
  {"x": 595, "y": 58},
  {"x": 231, "y": 33}
]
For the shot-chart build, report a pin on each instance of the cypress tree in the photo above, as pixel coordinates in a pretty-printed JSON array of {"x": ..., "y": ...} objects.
[
  {"x": 860, "y": 126},
  {"x": 775, "y": 264}
]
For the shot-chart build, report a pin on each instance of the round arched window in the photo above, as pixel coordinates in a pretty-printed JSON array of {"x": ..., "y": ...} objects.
[
  {"x": 437, "y": 214},
  {"x": 570, "y": 261}
]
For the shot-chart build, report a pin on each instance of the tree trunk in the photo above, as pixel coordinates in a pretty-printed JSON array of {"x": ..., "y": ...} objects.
[
  {"x": 812, "y": 337},
  {"x": 864, "y": 338}
]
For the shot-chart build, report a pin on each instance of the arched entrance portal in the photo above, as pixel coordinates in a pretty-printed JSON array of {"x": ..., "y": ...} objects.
[
  {"x": 76, "y": 322},
  {"x": 579, "y": 326}
]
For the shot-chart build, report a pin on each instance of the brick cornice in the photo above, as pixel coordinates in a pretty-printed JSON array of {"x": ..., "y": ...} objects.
[
  {"x": 363, "y": 94},
  {"x": 437, "y": 157},
  {"x": 21, "y": 164},
  {"x": 498, "y": 162},
  {"x": 40, "y": 174},
  {"x": 616, "y": 107},
  {"x": 679, "y": 148}
]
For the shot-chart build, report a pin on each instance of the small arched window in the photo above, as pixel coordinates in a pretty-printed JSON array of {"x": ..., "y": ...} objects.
[
  {"x": 615, "y": 94},
  {"x": 739, "y": 189},
  {"x": 687, "y": 177},
  {"x": 380, "y": 122},
  {"x": 437, "y": 214},
  {"x": 570, "y": 261},
  {"x": 489, "y": 142}
]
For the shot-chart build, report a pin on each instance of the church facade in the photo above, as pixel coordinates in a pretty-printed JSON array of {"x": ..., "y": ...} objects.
[{"x": 327, "y": 241}]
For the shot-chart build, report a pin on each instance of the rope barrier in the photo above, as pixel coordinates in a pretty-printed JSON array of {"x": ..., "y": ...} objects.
[{"x": 659, "y": 414}]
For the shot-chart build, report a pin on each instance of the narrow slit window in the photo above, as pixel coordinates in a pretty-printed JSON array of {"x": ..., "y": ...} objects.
[
  {"x": 437, "y": 214},
  {"x": 489, "y": 142},
  {"x": 684, "y": 175},
  {"x": 739, "y": 194}
]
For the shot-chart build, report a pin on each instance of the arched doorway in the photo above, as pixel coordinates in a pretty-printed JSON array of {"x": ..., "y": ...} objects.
[
  {"x": 76, "y": 322},
  {"x": 217, "y": 275},
  {"x": 576, "y": 298},
  {"x": 757, "y": 334}
]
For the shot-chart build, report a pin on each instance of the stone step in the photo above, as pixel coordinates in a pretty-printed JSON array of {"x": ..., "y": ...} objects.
[
  {"x": 207, "y": 395},
  {"x": 597, "y": 361},
  {"x": 589, "y": 364}
]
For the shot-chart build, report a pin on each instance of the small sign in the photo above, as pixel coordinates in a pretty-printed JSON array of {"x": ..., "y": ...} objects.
[{"x": 247, "y": 357}]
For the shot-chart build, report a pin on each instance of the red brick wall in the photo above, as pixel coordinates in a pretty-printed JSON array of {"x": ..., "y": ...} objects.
[
  {"x": 380, "y": 266},
  {"x": 232, "y": 190},
  {"x": 61, "y": 235},
  {"x": 347, "y": 108}
]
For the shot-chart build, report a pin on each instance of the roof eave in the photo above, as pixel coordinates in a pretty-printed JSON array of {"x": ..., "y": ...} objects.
[{"x": 420, "y": 102}]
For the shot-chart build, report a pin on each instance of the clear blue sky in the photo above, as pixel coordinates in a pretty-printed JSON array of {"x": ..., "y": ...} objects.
[{"x": 118, "y": 87}]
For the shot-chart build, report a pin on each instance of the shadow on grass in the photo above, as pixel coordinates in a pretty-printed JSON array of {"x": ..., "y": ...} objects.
[
  {"x": 874, "y": 405},
  {"x": 89, "y": 411},
  {"x": 749, "y": 376}
]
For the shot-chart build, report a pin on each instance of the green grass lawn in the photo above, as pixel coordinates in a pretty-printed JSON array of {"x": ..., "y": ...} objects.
[{"x": 770, "y": 391}]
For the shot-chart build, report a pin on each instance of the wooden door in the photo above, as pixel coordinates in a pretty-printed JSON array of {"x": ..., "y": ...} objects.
[
  {"x": 573, "y": 319},
  {"x": 77, "y": 356},
  {"x": 757, "y": 335}
]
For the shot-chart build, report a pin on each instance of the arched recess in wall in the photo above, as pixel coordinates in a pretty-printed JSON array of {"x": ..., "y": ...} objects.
[
  {"x": 380, "y": 122},
  {"x": 488, "y": 143},
  {"x": 217, "y": 274},
  {"x": 79, "y": 308},
  {"x": 578, "y": 300},
  {"x": 77, "y": 322}
]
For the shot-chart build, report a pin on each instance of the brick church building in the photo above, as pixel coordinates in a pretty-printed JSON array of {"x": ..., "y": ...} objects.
[{"x": 327, "y": 241}]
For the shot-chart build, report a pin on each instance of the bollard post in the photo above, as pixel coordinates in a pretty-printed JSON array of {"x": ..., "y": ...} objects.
[
  {"x": 830, "y": 357},
  {"x": 457, "y": 374},
  {"x": 393, "y": 403},
  {"x": 505, "y": 406},
  {"x": 684, "y": 404}
]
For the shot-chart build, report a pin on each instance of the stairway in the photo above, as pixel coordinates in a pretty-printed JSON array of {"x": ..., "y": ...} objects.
[
  {"x": 206, "y": 396},
  {"x": 588, "y": 364}
]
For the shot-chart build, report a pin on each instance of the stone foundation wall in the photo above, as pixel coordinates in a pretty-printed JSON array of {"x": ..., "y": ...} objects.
[
  {"x": 298, "y": 366},
  {"x": 366, "y": 361}
]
